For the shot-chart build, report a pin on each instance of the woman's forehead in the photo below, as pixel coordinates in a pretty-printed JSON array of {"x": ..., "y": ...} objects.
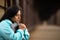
[{"x": 19, "y": 12}]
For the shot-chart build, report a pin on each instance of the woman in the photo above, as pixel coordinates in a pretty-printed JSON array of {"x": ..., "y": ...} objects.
[{"x": 13, "y": 15}]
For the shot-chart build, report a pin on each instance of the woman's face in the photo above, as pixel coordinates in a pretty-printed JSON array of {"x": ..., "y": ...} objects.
[{"x": 17, "y": 17}]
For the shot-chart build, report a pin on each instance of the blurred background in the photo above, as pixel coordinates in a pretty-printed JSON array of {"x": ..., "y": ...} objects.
[{"x": 35, "y": 12}]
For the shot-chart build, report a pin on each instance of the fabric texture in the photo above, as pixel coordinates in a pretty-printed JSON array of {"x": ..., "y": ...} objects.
[{"x": 7, "y": 33}]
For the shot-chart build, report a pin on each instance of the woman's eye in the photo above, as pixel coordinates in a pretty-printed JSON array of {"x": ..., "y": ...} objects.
[{"x": 16, "y": 15}]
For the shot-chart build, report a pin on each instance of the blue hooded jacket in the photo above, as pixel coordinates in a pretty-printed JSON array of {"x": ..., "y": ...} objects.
[{"x": 7, "y": 33}]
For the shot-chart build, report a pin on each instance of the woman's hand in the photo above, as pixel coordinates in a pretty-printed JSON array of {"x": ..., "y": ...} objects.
[{"x": 22, "y": 26}]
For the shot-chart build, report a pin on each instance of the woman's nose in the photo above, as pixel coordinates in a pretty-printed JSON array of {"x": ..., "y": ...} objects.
[{"x": 19, "y": 17}]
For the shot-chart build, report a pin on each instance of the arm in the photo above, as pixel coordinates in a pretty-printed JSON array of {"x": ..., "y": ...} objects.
[
  {"x": 8, "y": 34},
  {"x": 26, "y": 34}
]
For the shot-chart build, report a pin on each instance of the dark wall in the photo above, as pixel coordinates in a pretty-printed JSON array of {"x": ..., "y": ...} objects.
[{"x": 46, "y": 8}]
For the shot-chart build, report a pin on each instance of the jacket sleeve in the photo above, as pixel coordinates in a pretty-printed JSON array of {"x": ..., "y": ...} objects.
[
  {"x": 26, "y": 34},
  {"x": 8, "y": 34}
]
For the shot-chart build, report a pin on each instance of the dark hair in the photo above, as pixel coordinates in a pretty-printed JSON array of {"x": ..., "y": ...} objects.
[{"x": 11, "y": 12}]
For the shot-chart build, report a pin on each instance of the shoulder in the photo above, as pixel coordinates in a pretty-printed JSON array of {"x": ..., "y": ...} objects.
[{"x": 6, "y": 21}]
